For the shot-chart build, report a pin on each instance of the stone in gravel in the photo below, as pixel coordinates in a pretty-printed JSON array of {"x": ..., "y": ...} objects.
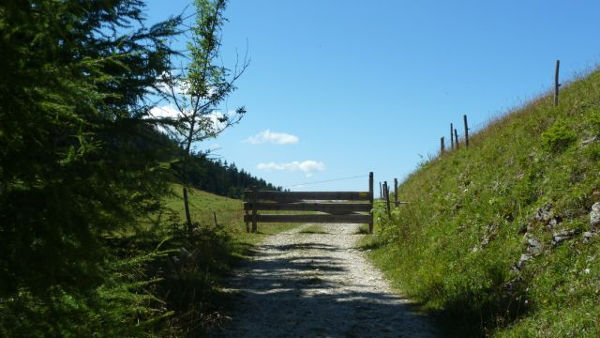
[
  {"x": 524, "y": 258},
  {"x": 553, "y": 222},
  {"x": 588, "y": 235},
  {"x": 561, "y": 236},
  {"x": 535, "y": 247},
  {"x": 595, "y": 215},
  {"x": 589, "y": 140},
  {"x": 544, "y": 214}
]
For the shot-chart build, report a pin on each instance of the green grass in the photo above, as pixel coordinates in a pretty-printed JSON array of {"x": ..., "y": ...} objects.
[
  {"x": 314, "y": 229},
  {"x": 204, "y": 207},
  {"x": 363, "y": 229},
  {"x": 454, "y": 247}
]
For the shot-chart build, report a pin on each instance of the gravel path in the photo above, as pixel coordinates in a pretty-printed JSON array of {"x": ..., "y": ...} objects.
[{"x": 318, "y": 285}]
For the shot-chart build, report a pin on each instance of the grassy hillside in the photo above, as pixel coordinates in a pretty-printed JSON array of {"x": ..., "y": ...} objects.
[
  {"x": 229, "y": 212},
  {"x": 497, "y": 238}
]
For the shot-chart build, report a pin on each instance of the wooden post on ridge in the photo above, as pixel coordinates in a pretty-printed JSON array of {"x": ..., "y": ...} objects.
[
  {"x": 442, "y": 145},
  {"x": 371, "y": 201},
  {"x": 466, "y": 131},
  {"x": 451, "y": 136},
  {"x": 396, "y": 192},
  {"x": 386, "y": 191},
  {"x": 455, "y": 139},
  {"x": 254, "y": 212},
  {"x": 380, "y": 190},
  {"x": 556, "y": 83}
]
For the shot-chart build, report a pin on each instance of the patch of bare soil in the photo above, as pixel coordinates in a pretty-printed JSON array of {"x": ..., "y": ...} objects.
[{"x": 318, "y": 285}]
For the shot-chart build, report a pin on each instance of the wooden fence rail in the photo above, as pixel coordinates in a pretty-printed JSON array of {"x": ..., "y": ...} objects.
[{"x": 334, "y": 206}]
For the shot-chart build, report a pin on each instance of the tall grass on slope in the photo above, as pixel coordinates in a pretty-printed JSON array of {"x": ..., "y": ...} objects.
[{"x": 476, "y": 243}]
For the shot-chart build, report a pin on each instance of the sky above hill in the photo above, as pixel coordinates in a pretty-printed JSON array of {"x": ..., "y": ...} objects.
[{"x": 338, "y": 88}]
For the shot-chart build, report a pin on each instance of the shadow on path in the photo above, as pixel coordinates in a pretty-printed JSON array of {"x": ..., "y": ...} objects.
[{"x": 316, "y": 285}]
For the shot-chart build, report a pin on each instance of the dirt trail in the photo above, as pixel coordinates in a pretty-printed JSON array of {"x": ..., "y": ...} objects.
[{"x": 318, "y": 285}]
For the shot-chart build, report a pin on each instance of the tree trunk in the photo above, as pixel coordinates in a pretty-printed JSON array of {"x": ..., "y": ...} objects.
[{"x": 188, "y": 218}]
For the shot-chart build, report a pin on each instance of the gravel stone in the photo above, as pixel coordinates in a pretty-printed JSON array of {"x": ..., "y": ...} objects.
[
  {"x": 595, "y": 215},
  {"x": 561, "y": 236}
]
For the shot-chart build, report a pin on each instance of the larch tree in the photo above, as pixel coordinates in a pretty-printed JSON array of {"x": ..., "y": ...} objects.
[{"x": 197, "y": 89}]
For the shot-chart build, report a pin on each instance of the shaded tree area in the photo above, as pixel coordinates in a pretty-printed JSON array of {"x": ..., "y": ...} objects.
[
  {"x": 81, "y": 162},
  {"x": 77, "y": 161}
]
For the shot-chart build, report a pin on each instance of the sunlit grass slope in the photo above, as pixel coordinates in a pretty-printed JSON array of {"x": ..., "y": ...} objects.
[
  {"x": 204, "y": 207},
  {"x": 527, "y": 179}
]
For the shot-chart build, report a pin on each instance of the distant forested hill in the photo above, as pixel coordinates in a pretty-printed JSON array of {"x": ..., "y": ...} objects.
[{"x": 212, "y": 175}]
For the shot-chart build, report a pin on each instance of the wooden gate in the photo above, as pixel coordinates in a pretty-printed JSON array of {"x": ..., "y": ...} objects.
[{"x": 333, "y": 206}]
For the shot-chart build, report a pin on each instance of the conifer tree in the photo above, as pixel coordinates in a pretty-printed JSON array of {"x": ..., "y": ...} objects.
[{"x": 77, "y": 160}]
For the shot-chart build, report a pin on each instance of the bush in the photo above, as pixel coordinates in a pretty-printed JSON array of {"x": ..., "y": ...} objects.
[
  {"x": 594, "y": 120},
  {"x": 558, "y": 137}
]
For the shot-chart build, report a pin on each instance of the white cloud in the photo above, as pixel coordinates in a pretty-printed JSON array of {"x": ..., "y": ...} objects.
[
  {"x": 268, "y": 136},
  {"x": 307, "y": 167},
  {"x": 165, "y": 111},
  {"x": 168, "y": 111}
]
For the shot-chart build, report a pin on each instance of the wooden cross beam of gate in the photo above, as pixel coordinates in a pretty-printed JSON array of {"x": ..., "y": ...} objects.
[{"x": 331, "y": 206}]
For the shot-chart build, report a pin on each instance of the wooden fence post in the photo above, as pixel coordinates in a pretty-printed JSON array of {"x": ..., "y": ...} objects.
[
  {"x": 442, "y": 145},
  {"x": 254, "y": 211},
  {"x": 386, "y": 191},
  {"x": 380, "y": 190},
  {"x": 556, "y": 84},
  {"x": 246, "y": 213},
  {"x": 371, "y": 201},
  {"x": 387, "y": 199},
  {"x": 451, "y": 136},
  {"x": 466, "y": 131},
  {"x": 455, "y": 139},
  {"x": 396, "y": 192}
]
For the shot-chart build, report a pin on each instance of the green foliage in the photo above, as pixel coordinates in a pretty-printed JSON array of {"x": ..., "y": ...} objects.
[
  {"x": 118, "y": 307},
  {"x": 77, "y": 161},
  {"x": 594, "y": 120},
  {"x": 83, "y": 174},
  {"x": 191, "y": 276},
  {"x": 558, "y": 137},
  {"x": 457, "y": 245}
]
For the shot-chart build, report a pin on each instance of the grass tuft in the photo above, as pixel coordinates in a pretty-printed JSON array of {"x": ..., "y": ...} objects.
[{"x": 314, "y": 229}]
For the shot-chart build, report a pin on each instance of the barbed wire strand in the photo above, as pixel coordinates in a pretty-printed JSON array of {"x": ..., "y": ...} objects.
[{"x": 325, "y": 181}]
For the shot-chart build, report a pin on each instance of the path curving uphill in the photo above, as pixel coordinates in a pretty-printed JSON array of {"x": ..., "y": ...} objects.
[{"x": 318, "y": 285}]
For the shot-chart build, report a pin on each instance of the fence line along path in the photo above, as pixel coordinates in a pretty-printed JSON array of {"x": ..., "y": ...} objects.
[{"x": 332, "y": 206}]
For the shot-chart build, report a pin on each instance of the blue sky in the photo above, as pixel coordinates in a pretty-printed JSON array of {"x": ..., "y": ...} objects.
[{"x": 372, "y": 85}]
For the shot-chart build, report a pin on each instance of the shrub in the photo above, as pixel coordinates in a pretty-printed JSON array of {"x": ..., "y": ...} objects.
[
  {"x": 558, "y": 137},
  {"x": 594, "y": 120}
]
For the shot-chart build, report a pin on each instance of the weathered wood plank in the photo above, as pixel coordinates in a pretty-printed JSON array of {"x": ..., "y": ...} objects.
[
  {"x": 325, "y": 207},
  {"x": 556, "y": 83},
  {"x": 354, "y": 218},
  {"x": 254, "y": 211},
  {"x": 313, "y": 195},
  {"x": 371, "y": 202}
]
